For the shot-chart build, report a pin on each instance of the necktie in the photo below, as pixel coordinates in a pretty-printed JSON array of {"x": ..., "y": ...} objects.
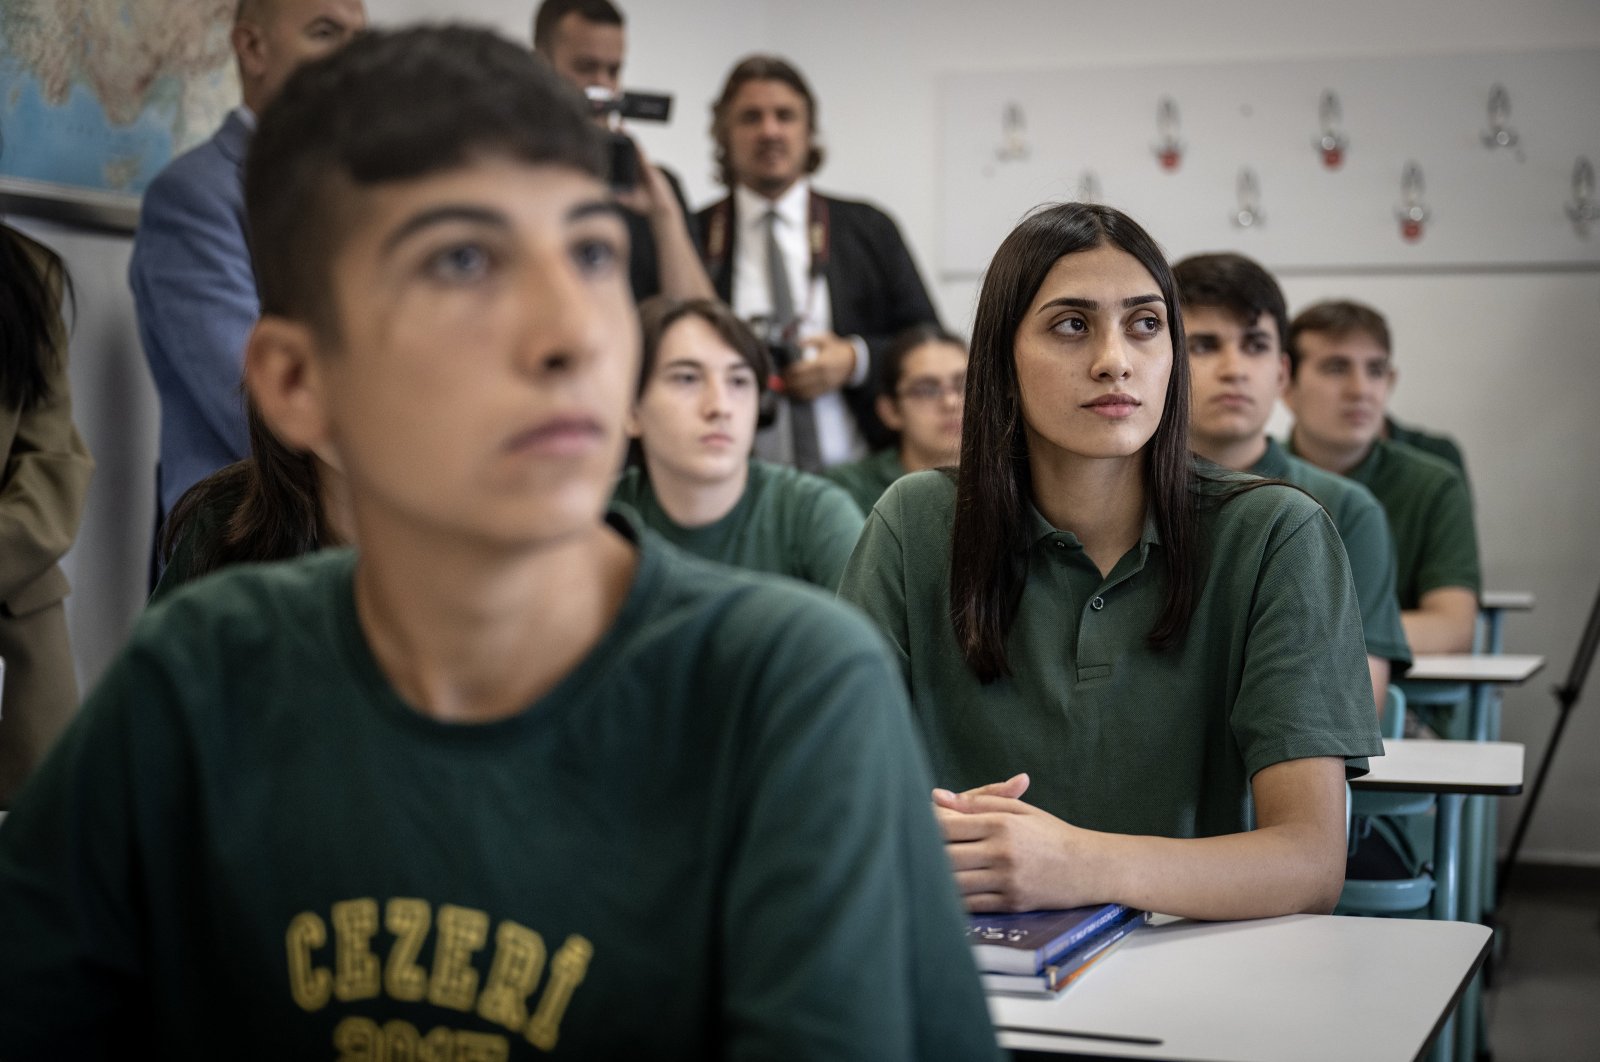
[{"x": 802, "y": 421}]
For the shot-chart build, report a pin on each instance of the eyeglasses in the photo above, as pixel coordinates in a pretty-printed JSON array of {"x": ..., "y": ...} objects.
[{"x": 928, "y": 389}]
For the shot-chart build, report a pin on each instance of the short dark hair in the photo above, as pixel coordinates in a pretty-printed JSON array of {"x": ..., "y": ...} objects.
[
  {"x": 760, "y": 68},
  {"x": 393, "y": 106},
  {"x": 661, "y": 312},
  {"x": 1233, "y": 283},
  {"x": 1337, "y": 318},
  {"x": 891, "y": 366},
  {"x": 551, "y": 12},
  {"x": 994, "y": 488}
]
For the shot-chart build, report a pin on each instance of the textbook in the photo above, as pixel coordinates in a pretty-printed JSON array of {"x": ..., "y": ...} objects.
[
  {"x": 1026, "y": 943},
  {"x": 1057, "y": 976}
]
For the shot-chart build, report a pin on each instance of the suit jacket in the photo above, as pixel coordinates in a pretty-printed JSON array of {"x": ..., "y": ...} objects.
[
  {"x": 43, "y": 483},
  {"x": 196, "y": 299},
  {"x": 873, "y": 285}
]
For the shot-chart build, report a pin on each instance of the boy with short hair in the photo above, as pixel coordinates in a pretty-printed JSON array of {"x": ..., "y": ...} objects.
[
  {"x": 1234, "y": 318},
  {"x": 515, "y": 780},
  {"x": 1340, "y": 378}
]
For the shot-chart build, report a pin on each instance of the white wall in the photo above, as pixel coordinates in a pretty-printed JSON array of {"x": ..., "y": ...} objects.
[{"x": 1507, "y": 363}]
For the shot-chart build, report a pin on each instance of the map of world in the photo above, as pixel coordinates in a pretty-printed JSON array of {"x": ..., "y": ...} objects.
[{"x": 98, "y": 95}]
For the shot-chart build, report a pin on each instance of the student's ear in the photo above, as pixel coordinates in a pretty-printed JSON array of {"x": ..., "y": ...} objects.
[
  {"x": 631, "y": 424},
  {"x": 284, "y": 374},
  {"x": 889, "y": 413},
  {"x": 1283, "y": 372}
]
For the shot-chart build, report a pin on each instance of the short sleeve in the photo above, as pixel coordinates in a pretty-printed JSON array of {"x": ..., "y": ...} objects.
[
  {"x": 842, "y": 925},
  {"x": 1370, "y": 548},
  {"x": 1305, "y": 690},
  {"x": 874, "y": 579}
]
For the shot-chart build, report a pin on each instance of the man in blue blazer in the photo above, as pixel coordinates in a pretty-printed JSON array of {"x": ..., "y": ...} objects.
[
  {"x": 831, "y": 277},
  {"x": 192, "y": 284}
]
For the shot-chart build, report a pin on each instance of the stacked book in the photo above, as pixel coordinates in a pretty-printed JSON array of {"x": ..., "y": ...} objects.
[{"x": 1043, "y": 952}]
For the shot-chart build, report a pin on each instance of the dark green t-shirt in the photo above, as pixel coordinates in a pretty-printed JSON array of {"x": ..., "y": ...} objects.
[
  {"x": 1441, "y": 446},
  {"x": 868, "y": 478},
  {"x": 1430, "y": 515},
  {"x": 712, "y": 839},
  {"x": 787, "y": 522},
  {"x": 1369, "y": 547},
  {"x": 1117, "y": 736}
]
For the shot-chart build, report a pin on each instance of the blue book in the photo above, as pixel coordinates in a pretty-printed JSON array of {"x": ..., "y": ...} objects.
[
  {"x": 1059, "y": 975},
  {"x": 1027, "y": 942}
]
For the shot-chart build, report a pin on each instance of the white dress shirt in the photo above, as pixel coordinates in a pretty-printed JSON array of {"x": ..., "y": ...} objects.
[{"x": 838, "y": 437}]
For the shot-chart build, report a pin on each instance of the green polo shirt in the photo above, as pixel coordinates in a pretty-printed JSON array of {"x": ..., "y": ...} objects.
[
  {"x": 1115, "y": 735},
  {"x": 786, "y": 522},
  {"x": 1441, "y": 446},
  {"x": 868, "y": 478},
  {"x": 1430, "y": 514},
  {"x": 1364, "y": 530}
]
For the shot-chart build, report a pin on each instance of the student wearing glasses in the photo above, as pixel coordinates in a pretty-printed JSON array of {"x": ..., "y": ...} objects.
[
  {"x": 1139, "y": 679},
  {"x": 920, "y": 395}
]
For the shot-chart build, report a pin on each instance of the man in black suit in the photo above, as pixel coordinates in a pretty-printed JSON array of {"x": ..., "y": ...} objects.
[
  {"x": 830, "y": 280},
  {"x": 585, "y": 40}
]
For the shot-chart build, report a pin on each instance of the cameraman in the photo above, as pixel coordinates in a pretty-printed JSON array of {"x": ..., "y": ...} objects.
[{"x": 584, "y": 41}]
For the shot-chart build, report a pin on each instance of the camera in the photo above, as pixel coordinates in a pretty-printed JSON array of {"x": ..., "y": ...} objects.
[{"x": 615, "y": 106}]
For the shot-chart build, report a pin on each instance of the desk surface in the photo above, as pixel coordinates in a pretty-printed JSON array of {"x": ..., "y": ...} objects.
[
  {"x": 1505, "y": 669},
  {"x": 1308, "y": 987},
  {"x": 1507, "y": 600},
  {"x": 1493, "y": 768}
]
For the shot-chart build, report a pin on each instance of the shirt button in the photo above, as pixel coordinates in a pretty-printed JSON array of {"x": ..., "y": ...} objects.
[{"x": 1098, "y": 603}]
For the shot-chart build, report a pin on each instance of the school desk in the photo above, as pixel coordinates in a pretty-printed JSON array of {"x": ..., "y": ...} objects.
[
  {"x": 1492, "y": 606},
  {"x": 1315, "y": 988},
  {"x": 1454, "y": 770}
]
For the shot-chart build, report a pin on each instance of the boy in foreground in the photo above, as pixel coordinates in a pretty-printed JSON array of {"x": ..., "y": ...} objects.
[{"x": 518, "y": 780}]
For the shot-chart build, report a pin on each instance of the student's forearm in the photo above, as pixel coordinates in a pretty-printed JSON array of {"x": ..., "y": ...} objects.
[
  {"x": 1378, "y": 672},
  {"x": 677, "y": 262},
  {"x": 1443, "y": 621},
  {"x": 1275, "y": 870}
]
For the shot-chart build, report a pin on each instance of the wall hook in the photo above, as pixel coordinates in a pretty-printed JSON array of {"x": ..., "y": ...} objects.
[
  {"x": 1169, "y": 149},
  {"x": 1499, "y": 134},
  {"x": 1583, "y": 210},
  {"x": 1249, "y": 192},
  {"x": 1413, "y": 212},
  {"x": 1332, "y": 142},
  {"x": 1013, "y": 134}
]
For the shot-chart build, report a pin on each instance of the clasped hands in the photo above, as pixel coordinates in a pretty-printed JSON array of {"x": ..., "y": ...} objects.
[{"x": 1011, "y": 856}]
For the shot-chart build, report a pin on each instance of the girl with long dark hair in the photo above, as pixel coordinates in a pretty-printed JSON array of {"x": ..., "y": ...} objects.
[
  {"x": 44, "y": 480},
  {"x": 276, "y": 504},
  {"x": 1140, "y": 679}
]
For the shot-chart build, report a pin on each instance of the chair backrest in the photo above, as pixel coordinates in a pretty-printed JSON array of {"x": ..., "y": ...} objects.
[{"x": 1393, "y": 719}]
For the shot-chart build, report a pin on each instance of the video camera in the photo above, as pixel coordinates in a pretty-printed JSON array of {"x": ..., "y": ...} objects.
[{"x": 616, "y": 106}]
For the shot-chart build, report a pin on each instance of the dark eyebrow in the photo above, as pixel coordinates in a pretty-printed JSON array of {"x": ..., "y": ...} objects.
[
  {"x": 476, "y": 215},
  {"x": 440, "y": 215},
  {"x": 1089, "y": 304}
]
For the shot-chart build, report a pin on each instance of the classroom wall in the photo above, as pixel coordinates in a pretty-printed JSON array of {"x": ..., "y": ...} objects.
[{"x": 1507, "y": 363}]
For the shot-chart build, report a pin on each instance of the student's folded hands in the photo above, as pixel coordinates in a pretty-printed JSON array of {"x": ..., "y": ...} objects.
[{"x": 1008, "y": 855}]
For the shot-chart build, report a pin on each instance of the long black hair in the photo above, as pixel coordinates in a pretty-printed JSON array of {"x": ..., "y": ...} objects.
[
  {"x": 270, "y": 505},
  {"x": 33, "y": 283},
  {"x": 990, "y": 537}
]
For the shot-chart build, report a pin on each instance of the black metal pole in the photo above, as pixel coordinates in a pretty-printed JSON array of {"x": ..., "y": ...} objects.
[{"x": 1567, "y": 695}]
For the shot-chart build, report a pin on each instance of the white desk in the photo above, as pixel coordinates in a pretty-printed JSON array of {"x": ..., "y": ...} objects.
[
  {"x": 1503, "y": 670},
  {"x": 1304, "y": 987},
  {"x": 1507, "y": 600},
  {"x": 1492, "y": 768}
]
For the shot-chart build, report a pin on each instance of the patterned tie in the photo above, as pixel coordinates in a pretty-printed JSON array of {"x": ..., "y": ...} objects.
[{"x": 802, "y": 420}]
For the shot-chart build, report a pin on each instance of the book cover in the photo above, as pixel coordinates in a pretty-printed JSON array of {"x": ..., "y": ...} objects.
[
  {"x": 1059, "y": 975},
  {"x": 1027, "y": 942}
]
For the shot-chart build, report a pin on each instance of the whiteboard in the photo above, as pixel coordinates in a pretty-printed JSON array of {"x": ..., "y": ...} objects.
[{"x": 1488, "y": 207}]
